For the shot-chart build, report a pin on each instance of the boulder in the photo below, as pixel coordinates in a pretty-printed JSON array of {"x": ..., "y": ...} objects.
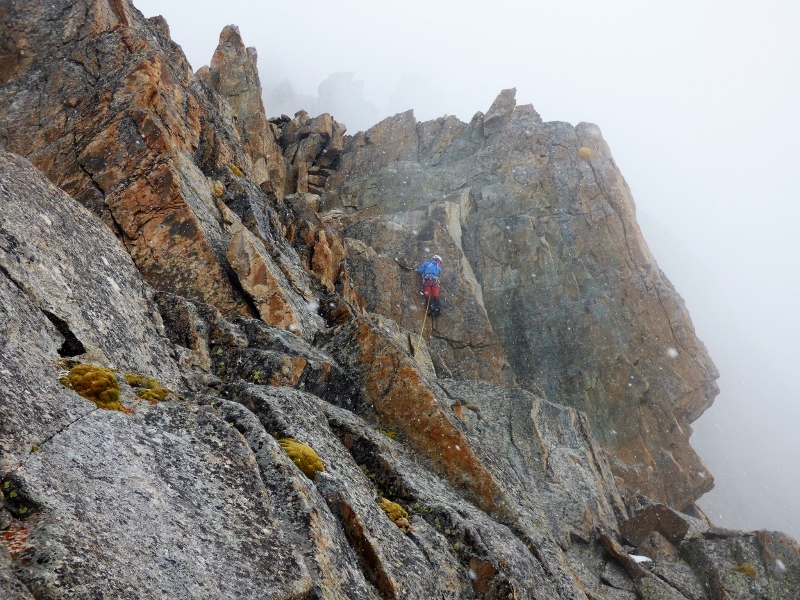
[
  {"x": 656, "y": 517},
  {"x": 759, "y": 564}
]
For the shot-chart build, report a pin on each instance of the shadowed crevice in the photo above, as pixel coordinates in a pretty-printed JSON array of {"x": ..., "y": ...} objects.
[{"x": 72, "y": 346}]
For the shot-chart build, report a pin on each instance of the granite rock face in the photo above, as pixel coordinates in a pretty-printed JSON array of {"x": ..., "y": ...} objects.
[
  {"x": 233, "y": 74},
  {"x": 131, "y": 133},
  {"x": 166, "y": 247},
  {"x": 545, "y": 268}
]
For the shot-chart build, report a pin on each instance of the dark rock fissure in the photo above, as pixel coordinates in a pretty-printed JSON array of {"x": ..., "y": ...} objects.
[
  {"x": 282, "y": 252},
  {"x": 72, "y": 346}
]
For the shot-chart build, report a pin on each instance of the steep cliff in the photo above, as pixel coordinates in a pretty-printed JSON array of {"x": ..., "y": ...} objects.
[
  {"x": 212, "y": 383},
  {"x": 545, "y": 267}
]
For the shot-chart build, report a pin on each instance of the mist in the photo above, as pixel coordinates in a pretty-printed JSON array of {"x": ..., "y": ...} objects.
[{"x": 697, "y": 100}]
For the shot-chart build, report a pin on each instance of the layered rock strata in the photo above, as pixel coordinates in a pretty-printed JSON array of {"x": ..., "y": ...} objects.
[
  {"x": 233, "y": 74},
  {"x": 545, "y": 269},
  {"x": 190, "y": 274}
]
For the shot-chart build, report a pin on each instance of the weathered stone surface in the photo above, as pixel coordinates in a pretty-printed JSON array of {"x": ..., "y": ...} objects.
[
  {"x": 507, "y": 495},
  {"x": 321, "y": 249},
  {"x": 29, "y": 343},
  {"x": 75, "y": 271},
  {"x": 261, "y": 280},
  {"x": 655, "y": 517},
  {"x": 108, "y": 108},
  {"x": 306, "y": 518},
  {"x": 567, "y": 282},
  {"x": 69, "y": 289},
  {"x": 382, "y": 273},
  {"x": 723, "y": 564},
  {"x": 390, "y": 560},
  {"x": 195, "y": 499},
  {"x": 311, "y": 148},
  {"x": 500, "y": 112},
  {"x": 462, "y": 542},
  {"x": 404, "y": 401},
  {"x": 647, "y": 583},
  {"x": 233, "y": 74},
  {"x": 526, "y": 439},
  {"x": 668, "y": 565}
]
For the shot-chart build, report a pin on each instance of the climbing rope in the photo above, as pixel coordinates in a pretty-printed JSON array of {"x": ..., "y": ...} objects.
[{"x": 425, "y": 318}]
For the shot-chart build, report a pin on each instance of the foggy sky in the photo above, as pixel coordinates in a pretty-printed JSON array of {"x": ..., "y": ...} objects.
[{"x": 698, "y": 102}]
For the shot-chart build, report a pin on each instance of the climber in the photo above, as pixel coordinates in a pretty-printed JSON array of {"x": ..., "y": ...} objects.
[{"x": 429, "y": 285}]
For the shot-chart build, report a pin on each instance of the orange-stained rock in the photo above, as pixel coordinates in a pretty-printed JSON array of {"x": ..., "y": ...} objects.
[
  {"x": 262, "y": 281},
  {"x": 403, "y": 401},
  {"x": 322, "y": 262},
  {"x": 541, "y": 235},
  {"x": 124, "y": 127},
  {"x": 381, "y": 264},
  {"x": 290, "y": 373},
  {"x": 233, "y": 74}
]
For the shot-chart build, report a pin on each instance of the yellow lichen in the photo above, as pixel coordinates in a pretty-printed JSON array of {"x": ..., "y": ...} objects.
[
  {"x": 96, "y": 384},
  {"x": 747, "y": 569},
  {"x": 149, "y": 389},
  {"x": 303, "y": 456},
  {"x": 236, "y": 170},
  {"x": 390, "y": 433},
  {"x": 584, "y": 153},
  {"x": 219, "y": 189},
  {"x": 396, "y": 513}
]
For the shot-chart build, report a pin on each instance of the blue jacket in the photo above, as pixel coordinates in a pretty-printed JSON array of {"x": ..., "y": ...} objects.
[{"x": 430, "y": 269}]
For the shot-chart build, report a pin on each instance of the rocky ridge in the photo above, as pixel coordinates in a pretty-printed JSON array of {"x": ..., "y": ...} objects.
[{"x": 259, "y": 273}]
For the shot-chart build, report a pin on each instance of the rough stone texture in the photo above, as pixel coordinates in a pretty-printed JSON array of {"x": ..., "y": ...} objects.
[
  {"x": 404, "y": 401},
  {"x": 774, "y": 558},
  {"x": 382, "y": 271},
  {"x": 570, "y": 289},
  {"x": 266, "y": 331},
  {"x": 667, "y": 564},
  {"x": 263, "y": 282},
  {"x": 75, "y": 271},
  {"x": 86, "y": 492},
  {"x": 656, "y": 517},
  {"x": 69, "y": 289},
  {"x": 311, "y": 149},
  {"x": 462, "y": 542},
  {"x": 195, "y": 500},
  {"x": 107, "y": 107},
  {"x": 233, "y": 74},
  {"x": 306, "y": 518}
]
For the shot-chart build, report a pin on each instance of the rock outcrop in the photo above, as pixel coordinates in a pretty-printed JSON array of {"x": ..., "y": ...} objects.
[
  {"x": 547, "y": 276},
  {"x": 279, "y": 427},
  {"x": 233, "y": 74}
]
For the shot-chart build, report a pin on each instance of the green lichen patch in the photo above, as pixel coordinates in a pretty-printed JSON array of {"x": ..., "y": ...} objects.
[
  {"x": 17, "y": 499},
  {"x": 148, "y": 388},
  {"x": 396, "y": 513},
  {"x": 96, "y": 384},
  {"x": 747, "y": 569},
  {"x": 422, "y": 509},
  {"x": 303, "y": 456},
  {"x": 390, "y": 433}
]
